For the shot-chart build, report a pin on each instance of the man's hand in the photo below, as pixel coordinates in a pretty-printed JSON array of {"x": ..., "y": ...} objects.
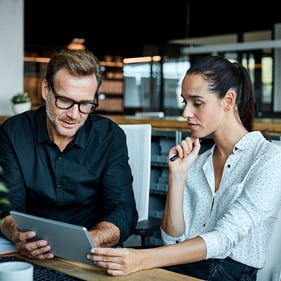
[{"x": 35, "y": 250}]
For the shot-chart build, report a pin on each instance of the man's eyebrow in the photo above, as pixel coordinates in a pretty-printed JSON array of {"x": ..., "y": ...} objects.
[{"x": 80, "y": 101}]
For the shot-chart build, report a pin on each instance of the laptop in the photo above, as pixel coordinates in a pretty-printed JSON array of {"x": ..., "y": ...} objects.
[{"x": 67, "y": 241}]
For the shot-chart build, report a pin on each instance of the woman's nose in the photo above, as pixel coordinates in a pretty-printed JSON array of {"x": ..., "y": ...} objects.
[{"x": 187, "y": 111}]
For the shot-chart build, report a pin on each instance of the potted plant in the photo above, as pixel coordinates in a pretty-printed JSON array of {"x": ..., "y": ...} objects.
[{"x": 21, "y": 102}]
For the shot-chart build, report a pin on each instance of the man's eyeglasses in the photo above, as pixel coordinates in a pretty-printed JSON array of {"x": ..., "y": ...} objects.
[{"x": 85, "y": 107}]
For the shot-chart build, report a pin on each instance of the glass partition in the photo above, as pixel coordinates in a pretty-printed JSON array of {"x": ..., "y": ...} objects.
[{"x": 156, "y": 85}]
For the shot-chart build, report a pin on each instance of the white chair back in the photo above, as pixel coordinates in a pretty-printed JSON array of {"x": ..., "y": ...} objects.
[{"x": 139, "y": 148}]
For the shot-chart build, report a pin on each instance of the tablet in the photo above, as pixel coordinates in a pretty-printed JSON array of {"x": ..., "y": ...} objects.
[{"x": 67, "y": 241}]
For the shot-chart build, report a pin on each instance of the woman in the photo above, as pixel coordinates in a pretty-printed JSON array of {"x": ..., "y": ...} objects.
[{"x": 221, "y": 204}]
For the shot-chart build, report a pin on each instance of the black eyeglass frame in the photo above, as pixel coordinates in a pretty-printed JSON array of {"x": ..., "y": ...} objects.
[{"x": 94, "y": 104}]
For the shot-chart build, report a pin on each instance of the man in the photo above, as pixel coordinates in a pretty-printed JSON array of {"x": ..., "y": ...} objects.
[{"x": 66, "y": 163}]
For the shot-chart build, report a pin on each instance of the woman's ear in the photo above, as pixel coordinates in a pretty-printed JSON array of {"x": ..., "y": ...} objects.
[{"x": 229, "y": 100}]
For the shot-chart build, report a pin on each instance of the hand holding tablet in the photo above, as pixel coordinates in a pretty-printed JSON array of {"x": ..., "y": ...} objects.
[{"x": 67, "y": 241}]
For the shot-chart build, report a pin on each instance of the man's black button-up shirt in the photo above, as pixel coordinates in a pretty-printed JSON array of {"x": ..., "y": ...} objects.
[{"x": 90, "y": 181}]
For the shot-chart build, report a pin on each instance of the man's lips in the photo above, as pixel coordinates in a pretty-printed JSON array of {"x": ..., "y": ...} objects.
[{"x": 68, "y": 124}]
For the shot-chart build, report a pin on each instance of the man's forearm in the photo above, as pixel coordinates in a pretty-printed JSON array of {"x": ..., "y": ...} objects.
[
  {"x": 105, "y": 234},
  {"x": 8, "y": 227}
]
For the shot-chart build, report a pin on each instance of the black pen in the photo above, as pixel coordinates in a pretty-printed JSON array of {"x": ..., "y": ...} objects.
[{"x": 173, "y": 158}]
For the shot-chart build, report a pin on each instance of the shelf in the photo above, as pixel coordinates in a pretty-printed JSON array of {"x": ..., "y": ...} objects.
[{"x": 112, "y": 87}]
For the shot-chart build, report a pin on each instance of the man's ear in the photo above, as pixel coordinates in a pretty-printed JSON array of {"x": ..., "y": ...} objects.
[
  {"x": 44, "y": 89},
  {"x": 229, "y": 100}
]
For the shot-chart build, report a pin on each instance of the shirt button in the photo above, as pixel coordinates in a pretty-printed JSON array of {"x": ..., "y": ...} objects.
[
  {"x": 228, "y": 166},
  {"x": 59, "y": 185},
  {"x": 236, "y": 148}
]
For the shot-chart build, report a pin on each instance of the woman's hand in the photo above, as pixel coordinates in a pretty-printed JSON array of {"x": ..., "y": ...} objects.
[
  {"x": 117, "y": 261},
  {"x": 184, "y": 153}
]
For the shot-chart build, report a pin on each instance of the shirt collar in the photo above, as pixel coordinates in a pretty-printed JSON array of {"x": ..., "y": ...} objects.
[{"x": 244, "y": 143}]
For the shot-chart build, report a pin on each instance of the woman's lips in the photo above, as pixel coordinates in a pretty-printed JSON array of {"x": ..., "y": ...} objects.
[{"x": 192, "y": 126}]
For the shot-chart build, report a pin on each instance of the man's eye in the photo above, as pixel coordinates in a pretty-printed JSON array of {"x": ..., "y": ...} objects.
[
  {"x": 65, "y": 100},
  {"x": 86, "y": 103}
]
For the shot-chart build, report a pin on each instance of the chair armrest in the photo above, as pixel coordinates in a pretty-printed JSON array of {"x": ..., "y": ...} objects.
[{"x": 145, "y": 229}]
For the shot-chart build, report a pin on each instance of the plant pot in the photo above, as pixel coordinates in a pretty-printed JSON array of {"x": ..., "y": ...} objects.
[{"x": 21, "y": 107}]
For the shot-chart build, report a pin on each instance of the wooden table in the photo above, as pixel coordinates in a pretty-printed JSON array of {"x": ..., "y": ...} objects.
[
  {"x": 271, "y": 125},
  {"x": 95, "y": 273}
]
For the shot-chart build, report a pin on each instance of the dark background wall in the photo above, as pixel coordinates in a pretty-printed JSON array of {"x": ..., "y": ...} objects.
[{"x": 119, "y": 28}]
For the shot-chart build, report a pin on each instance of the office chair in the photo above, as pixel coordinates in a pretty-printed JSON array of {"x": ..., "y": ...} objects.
[{"x": 139, "y": 149}]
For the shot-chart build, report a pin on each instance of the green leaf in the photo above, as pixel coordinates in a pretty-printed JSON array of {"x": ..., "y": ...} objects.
[{"x": 20, "y": 98}]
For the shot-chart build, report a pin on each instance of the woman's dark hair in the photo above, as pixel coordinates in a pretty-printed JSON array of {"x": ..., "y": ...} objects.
[{"x": 223, "y": 75}]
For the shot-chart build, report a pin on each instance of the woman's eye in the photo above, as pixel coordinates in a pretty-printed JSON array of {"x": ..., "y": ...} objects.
[{"x": 198, "y": 103}]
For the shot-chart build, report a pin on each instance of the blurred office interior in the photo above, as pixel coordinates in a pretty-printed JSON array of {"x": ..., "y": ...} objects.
[{"x": 146, "y": 48}]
